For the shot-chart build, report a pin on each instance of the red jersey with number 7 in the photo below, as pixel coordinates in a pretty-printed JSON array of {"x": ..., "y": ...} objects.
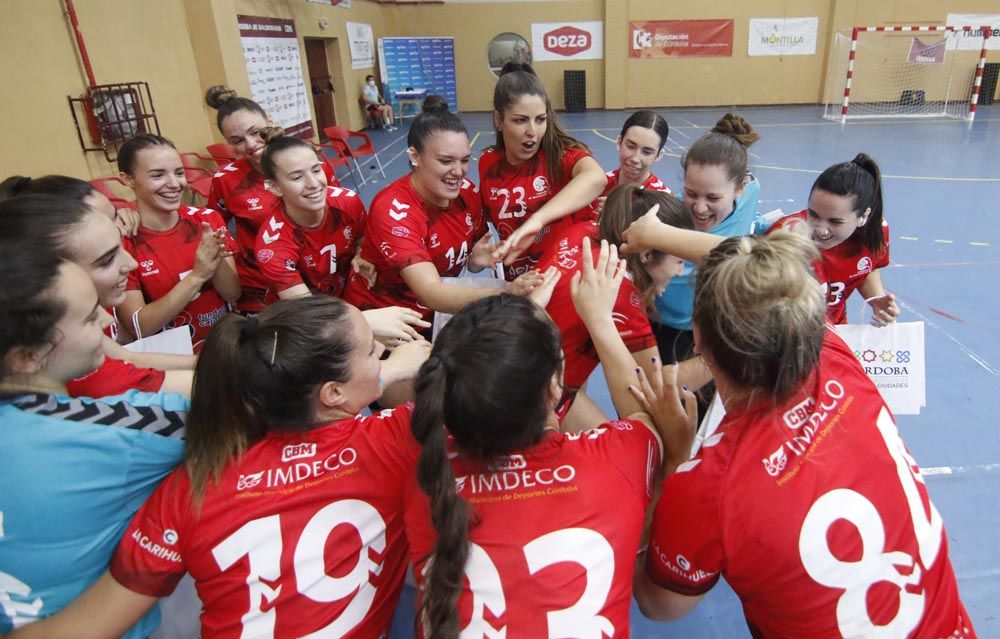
[
  {"x": 815, "y": 513},
  {"x": 511, "y": 194},
  {"x": 303, "y": 534},
  {"x": 404, "y": 229},
  {"x": 165, "y": 257},
  {"x": 557, "y": 527},
  {"x": 319, "y": 257},
  {"x": 842, "y": 268}
]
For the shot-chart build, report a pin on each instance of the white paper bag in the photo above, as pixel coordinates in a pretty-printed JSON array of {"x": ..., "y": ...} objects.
[
  {"x": 173, "y": 341},
  {"x": 893, "y": 357}
]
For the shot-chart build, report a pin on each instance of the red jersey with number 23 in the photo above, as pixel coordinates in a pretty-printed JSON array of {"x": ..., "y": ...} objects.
[
  {"x": 578, "y": 349},
  {"x": 319, "y": 257},
  {"x": 511, "y": 194},
  {"x": 165, "y": 257},
  {"x": 552, "y": 551},
  {"x": 842, "y": 268},
  {"x": 304, "y": 534},
  {"x": 405, "y": 229},
  {"x": 817, "y": 516},
  {"x": 238, "y": 192}
]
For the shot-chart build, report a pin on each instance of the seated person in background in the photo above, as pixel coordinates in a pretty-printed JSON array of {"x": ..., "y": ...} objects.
[{"x": 374, "y": 103}]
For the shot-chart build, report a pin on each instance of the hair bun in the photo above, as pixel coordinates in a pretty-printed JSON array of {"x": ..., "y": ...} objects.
[
  {"x": 524, "y": 67},
  {"x": 271, "y": 133},
  {"x": 737, "y": 128},
  {"x": 218, "y": 95},
  {"x": 434, "y": 104}
]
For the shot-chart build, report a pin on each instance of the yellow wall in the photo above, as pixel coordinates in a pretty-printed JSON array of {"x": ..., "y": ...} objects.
[{"x": 183, "y": 46}]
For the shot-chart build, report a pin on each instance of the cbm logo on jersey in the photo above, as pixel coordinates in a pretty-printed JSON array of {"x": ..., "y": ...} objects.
[
  {"x": 298, "y": 451},
  {"x": 796, "y": 416},
  {"x": 567, "y": 41},
  {"x": 299, "y": 471},
  {"x": 805, "y": 418}
]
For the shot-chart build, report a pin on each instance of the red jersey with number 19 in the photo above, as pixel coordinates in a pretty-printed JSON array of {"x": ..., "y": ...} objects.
[
  {"x": 304, "y": 534},
  {"x": 815, "y": 513},
  {"x": 842, "y": 268},
  {"x": 319, "y": 257},
  {"x": 403, "y": 229},
  {"x": 629, "y": 316},
  {"x": 165, "y": 257},
  {"x": 557, "y": 528},
  {"x": 238, "y": 192},
  {"x": 511, "y": 194}
]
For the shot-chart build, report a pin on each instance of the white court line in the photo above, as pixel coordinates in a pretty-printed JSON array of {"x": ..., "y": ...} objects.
[
  {"x": 908, "y": 237},
  {"x": 937, "y": 264},
  {"x": 979, "y": 243},
  {"x": 965, "y": 349},
  {"x": 957, "y": 470},
  {"x": 884, "y": 175},
  {"x": 944, "y": 241}
]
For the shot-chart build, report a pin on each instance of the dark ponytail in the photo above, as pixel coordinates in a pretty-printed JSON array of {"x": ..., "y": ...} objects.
[
  {"x": 276, "y": 143},
  {"x": 626, "y": 204},
  {"x": 433, "y": 119},
  {"x": 261, "y": 374},
  {"x": 726, "y": 146},
  {"x": 861, "y": 179},
  {"x": 508, "y": 345}
]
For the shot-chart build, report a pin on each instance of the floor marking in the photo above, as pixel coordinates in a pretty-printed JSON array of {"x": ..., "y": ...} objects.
[
  {"x": 932, "y": 178},
  {"x": 908, "y": 237},
  {"x": 956, "y": 470},
  {"x": 979, "y": 243},
  {"x": 473, "y": 143},
  {"x": 601, "y": 135},
  {"x": 944, "y": 241},
  {"x": 939, "y": 264},
  {"x": 677, "y": 130},
  {"x": 965, "y": 349}
]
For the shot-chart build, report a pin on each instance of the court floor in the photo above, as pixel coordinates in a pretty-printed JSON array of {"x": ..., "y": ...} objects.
[{"x": 942, "y": 194}]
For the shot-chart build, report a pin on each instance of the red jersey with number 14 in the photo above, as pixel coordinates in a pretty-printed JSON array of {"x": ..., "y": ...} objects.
[
  {"x": 842, "y": 268},
  {"x": 304, "y": 534},
  {"x": 238, "y": 192},
  {"x": 815, "y": 513},
  {"x": 578, "y": 349},
  {"x": 511, "y": 194},
  {"x": 404, "y": 229},
  {"x": 165, "y": 257},
  {"x": 552, "y": 552},
  {"x": 319, "y": 257}
]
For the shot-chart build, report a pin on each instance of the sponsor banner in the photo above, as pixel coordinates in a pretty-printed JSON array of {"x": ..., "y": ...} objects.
[
  {"x": 681, "y": 38},
  {"x": 271, "y": 55},
  {"x": 973, "y": 40},
  {"x": 893, "y": 357},
  {"x": 362, "y": 45},
  {"x": 343, "y": 4},
  {"x": 782, "y": 36},
  {"x": 926, "y": 53},
  {"x": 567, "y": 41}
]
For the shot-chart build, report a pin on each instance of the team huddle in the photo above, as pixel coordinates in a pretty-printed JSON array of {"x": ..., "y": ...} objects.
[{"x": 319, "y": 443}]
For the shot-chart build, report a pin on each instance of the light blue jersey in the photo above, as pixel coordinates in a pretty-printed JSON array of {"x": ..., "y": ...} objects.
[
  {"x": 677, "y": 302},
  {"x": 74, "y": 472}
]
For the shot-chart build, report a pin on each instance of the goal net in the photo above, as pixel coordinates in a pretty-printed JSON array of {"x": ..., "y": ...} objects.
[{"x": 904, "y": 72}]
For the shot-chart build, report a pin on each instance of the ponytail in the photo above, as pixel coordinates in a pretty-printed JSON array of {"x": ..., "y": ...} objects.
[
  {"x": 449, "y": 512},
  {"x": 861, "y": 179}
]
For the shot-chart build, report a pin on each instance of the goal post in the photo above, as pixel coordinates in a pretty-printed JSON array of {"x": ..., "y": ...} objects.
[{"x": 905, "y": 71}]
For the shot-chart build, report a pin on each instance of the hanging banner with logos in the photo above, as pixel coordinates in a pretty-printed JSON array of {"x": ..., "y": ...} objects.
[
  {"x": 973, "y": 40},
  {"x": 681, "y": 38},
  {"x": 362, "y": 45},
  {"x": 926, "y": 52},
  {"x": 343, "y": 4},
  {"x": 271, "y": 54},
  {"x": 567, "y": 41},
  {"x": 782, "y": 36}
]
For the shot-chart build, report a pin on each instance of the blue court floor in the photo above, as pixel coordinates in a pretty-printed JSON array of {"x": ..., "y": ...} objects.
[{"x": 942, "y": 194}]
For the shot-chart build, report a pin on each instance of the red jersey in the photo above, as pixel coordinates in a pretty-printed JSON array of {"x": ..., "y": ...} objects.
[
  {"x": 843, "y": 268},
  {"x": 815, "y": 513},
  {"x": 115, "y": 377},
  {"x": 238, "y": 193},
  {"x": 552, "y": 551},
  {"x": 630, "y": 317},
  {"x": 319, "y": 257},
  {"x": 511, "y": 194},
  {"x": 591, "y": 212},
  {"x": 303, "y": 534},
  {"x": 404, "y": 229},
  {"x": 165, "y": 257}
]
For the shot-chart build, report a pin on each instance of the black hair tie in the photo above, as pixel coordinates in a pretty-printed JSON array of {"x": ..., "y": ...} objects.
[
  {"x": 21, "y": 183},
  {"x": 249, "y": 330}
]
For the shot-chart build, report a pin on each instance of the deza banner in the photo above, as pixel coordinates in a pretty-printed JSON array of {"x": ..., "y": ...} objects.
[
  {"x": 782, "y": 36},
  {"x": 271, "y": 54},
  {"x": 680, "y": 38},
  {"x": 567, "y": 41},
  {"x": 973, "y": 40}
]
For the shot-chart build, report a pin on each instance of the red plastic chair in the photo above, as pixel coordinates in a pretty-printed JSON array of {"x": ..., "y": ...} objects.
[
  {"x": 340, "y": 137},
  {"x": 103, "y": 187},
  {"x": 334, "y": 158},
  {"x": 222, "y": 154},
  {"x": 199, "y": 178}
]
